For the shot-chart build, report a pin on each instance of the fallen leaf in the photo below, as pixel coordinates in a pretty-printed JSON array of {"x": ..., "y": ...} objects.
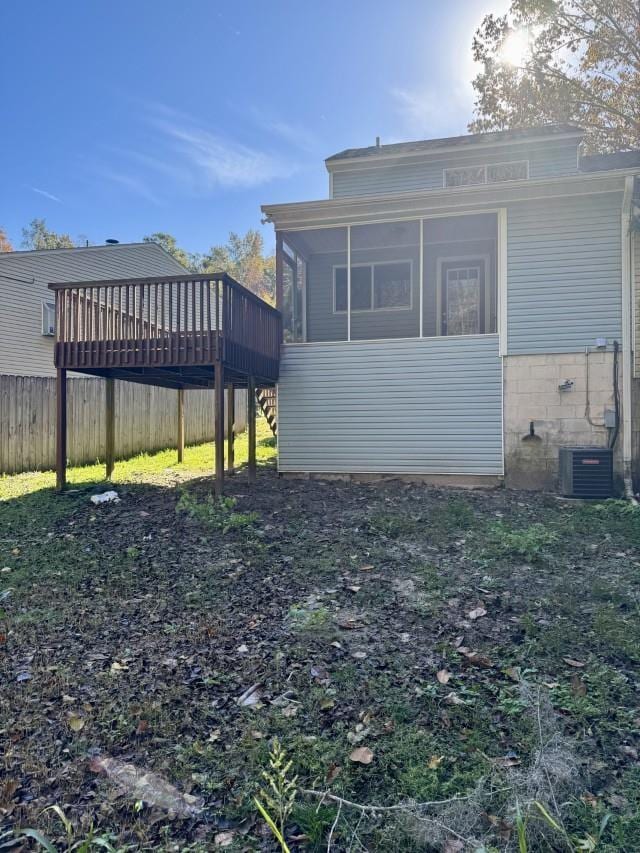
[
  {"x": 513, "y": 672},
  {"x": 224, "y": 839},
  {"x": 571, "y": 662},
  {"x": 453, "y": 845},
  {"x": 290, "y": 711},
  {"x": 477, "y": 613},
  {"x": 443, "y": 676},
  {"x": 475, "y": 658},
  {"x": 332, "y": 773},
  {"x": 75, "y": 723},
  {"x": 250, "y": 697},
  {"x": 362, "y": 755},
  {"x": 366, "y": 568},
  {"x": 354, "y": 588},
  {"x": 142, "y": 727},
  {"x": 435, "y": 761},
  {"x": 453, "y": 699},
  {"x": 578, "y": 687}
]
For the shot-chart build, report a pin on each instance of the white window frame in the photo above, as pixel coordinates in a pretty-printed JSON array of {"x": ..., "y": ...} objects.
[
  {"x": 371, "y": 265},
  {"x": 48, "y": 309},
  {"x": 485, "y": 167}
]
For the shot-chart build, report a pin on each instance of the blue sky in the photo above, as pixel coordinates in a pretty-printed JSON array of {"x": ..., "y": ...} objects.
[{"x": 124, "y": 118}]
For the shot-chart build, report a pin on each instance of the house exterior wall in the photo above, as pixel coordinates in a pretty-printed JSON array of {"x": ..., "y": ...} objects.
[
  {"x": 430, "y": 406},
  {"x": 24, "y": 277},
  {"x": 545, "y": 160},
  {"x": 636, "y": 302},
  {"x": 531, "y": 393},
  {"x": 564, "y": 273}
]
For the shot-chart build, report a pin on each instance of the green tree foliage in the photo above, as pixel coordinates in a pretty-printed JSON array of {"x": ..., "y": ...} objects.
[
  {"x": 38, "y": 236},
  {"x": 169, "y": 243},
  {"x": 5, "y": 243},
  {"x": 562, "y": 61},
  {"x": 243, "y": 257}
]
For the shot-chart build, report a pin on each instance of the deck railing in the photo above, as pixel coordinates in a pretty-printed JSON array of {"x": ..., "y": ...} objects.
[{"x": 165, "y": 322}]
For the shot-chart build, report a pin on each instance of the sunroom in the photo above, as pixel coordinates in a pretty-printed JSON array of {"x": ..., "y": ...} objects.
[{"x": 391, "y": 361}]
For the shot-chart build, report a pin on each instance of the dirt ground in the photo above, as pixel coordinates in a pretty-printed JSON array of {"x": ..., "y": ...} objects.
[{"x": 403, "y": 643}]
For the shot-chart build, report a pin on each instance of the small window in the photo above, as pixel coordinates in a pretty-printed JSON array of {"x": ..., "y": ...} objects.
[
  {"x": 499, "y": 172},
  {"x": 374, "y": 287},
  {"x": 466, "y": 177},
  {"x": 48, "y": 318},
  {"x": 493, "y": 173}
]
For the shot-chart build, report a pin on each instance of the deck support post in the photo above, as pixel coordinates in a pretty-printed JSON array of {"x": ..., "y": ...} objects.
[
  {"x": 231, "y": 413},
  {"x": 251, "y": 427},
  {"x": 219, "y": 427},
  {"x": 110, "y": 427},
  {"x": 61, "y": 429},
  {"x": 180, "y": 425}
]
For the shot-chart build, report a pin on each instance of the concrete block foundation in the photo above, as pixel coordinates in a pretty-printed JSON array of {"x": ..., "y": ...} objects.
[{"x": 574, "y": 416}]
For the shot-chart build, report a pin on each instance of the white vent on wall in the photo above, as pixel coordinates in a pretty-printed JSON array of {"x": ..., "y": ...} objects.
[{"x": 48, "y": 318}]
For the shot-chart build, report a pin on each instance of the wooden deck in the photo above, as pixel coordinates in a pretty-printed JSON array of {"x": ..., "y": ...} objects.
[
  {"x": 167, "y": 331},
  {"x": 185, "y": 332}
]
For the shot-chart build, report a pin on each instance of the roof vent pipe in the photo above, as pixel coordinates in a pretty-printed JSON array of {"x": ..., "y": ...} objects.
[{"x": 377, "y": 142}]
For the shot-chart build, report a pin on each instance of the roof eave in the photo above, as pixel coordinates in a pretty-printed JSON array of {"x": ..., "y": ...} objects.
[{"x": 420, "y": 202}]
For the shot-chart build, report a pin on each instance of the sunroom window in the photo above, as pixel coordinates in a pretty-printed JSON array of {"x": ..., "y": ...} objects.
[{"x": 374, "y": 287}]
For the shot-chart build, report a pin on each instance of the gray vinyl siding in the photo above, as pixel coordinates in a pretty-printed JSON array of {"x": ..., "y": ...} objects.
[
  {"x": 564, "y": 273},
  {"x": 24, "y": 351},
  {"x": 635, "y": 248},
  {"x": 402, "y": 407},
  {"x": 547, "y": 160}
]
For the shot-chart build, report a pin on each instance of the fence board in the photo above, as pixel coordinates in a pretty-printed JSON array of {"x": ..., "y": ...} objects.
[{"x": 146, "y": 420}]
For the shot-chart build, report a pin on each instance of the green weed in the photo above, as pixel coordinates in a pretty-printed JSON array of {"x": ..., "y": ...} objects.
[
  {"x": 216, "y": 513},
  {"x": 529, "y": 543}
]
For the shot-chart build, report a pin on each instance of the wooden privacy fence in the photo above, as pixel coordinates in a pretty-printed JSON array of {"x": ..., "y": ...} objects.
[{"x": 146, "y": 419}]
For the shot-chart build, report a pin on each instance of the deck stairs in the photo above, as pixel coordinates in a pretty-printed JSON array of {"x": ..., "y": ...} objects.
[{"x": 267, "y": 398}]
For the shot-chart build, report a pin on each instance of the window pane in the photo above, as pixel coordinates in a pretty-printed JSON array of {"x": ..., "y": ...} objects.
[
  {"x": 507, "y": 172},
  {"x": 341, "y": 289},
  {"x": 463, "y": 303},
  {"x": 392, "y": 286},
  {"x": 466, "y": 176},
  {"x": 360, "y": 288}
]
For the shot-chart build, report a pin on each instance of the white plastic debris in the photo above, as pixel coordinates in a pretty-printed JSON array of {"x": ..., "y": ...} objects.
[{"x": 105, "y": 498}]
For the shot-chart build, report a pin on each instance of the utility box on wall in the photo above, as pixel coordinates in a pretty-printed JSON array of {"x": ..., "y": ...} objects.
[{"x": 586, "y": 472}]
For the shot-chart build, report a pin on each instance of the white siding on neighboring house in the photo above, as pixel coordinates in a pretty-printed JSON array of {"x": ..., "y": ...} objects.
[
  {"x": 564, "y": 273},
  {"x": 24, "y": 277},
  {"x": 356, "y": 179},
  {"x": 431, "y": 406}
]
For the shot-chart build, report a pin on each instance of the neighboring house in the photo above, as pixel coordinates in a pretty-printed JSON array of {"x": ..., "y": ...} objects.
[
  {"x": 27, "y": 319},
  {"x": 452, "y": 310},
  {"x": 146, "y": 418}
]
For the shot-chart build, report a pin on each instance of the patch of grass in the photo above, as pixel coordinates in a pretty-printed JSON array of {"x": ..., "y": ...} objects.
[
  {"x": 394, "y": 526},
  {"x": 143, "y": 468},
  {"x": 216, "y": 513},
  {"x": 455, "y": 514},
  {"x": 614, "y": 518},
  {"x": 529, "y": 543},
  {"x": 314, "y": 620}
]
